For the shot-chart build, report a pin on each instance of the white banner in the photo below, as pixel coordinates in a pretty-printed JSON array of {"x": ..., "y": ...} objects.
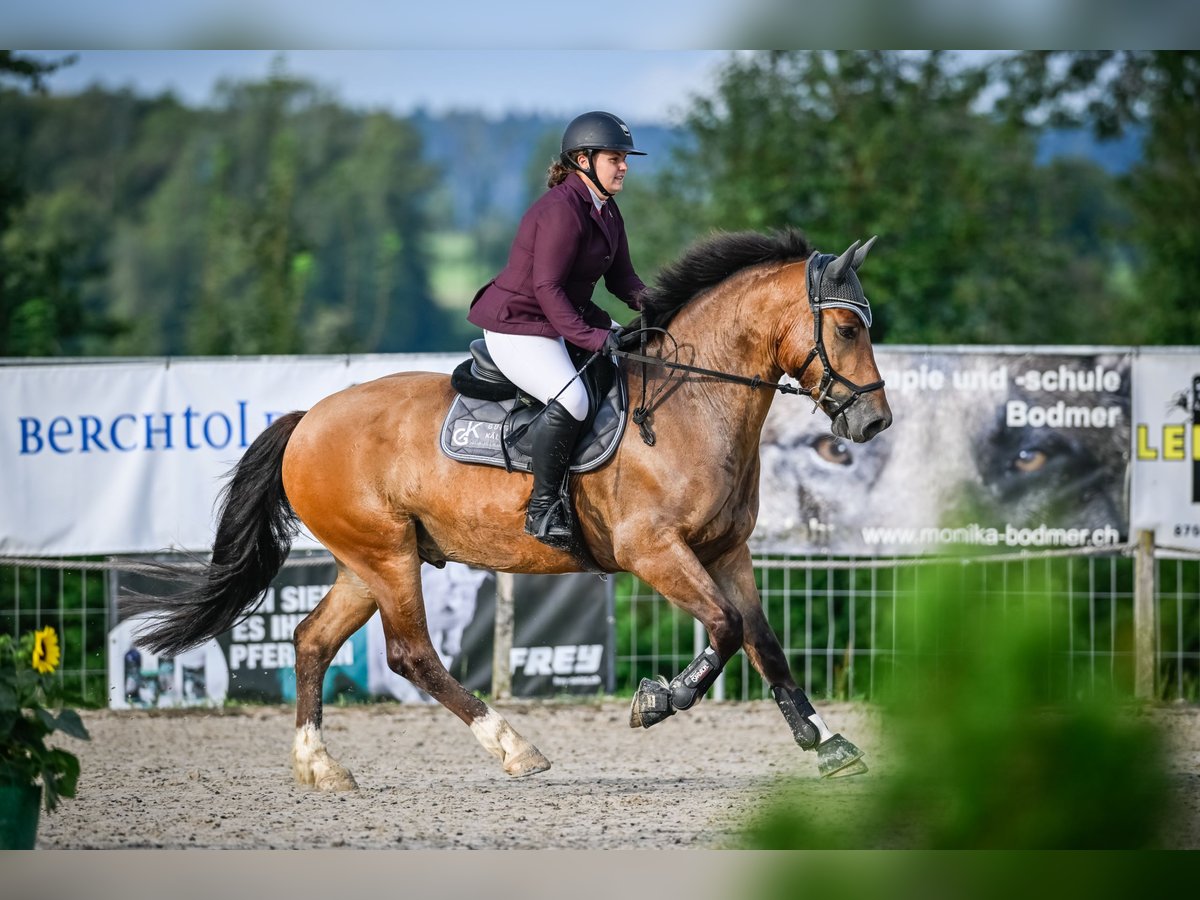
[
  {"x": 1166, "y": 457},
  {"x": 128, "y": 457}
]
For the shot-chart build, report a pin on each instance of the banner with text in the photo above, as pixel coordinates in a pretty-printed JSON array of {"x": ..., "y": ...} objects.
[
  {"x": 563, "y": 642},
  {"x": 1165, "y": 489},
  {"x": 1005, "y": 449},
  {"x": 1010, "y": 448},
  {"x": 128, "y": 456}
]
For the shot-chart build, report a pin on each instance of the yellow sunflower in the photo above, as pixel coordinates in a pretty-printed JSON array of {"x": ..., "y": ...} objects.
[{"x": 45, "y": 650}]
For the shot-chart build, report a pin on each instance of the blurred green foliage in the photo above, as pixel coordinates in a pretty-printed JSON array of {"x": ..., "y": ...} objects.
[
  {"x": 277, "y": 219},
  {"x": 274, "y": 221},
  {"x": 986, "y": 747},
  {"x": 980, "y": 875},
  {"x": 976, "y": 237}
]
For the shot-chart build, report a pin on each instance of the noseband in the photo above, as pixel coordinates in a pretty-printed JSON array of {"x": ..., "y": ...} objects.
[{"x": 857, "y": 302}]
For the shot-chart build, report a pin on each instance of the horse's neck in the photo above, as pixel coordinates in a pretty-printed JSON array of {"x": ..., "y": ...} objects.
[{"x": 733, "y": 331}]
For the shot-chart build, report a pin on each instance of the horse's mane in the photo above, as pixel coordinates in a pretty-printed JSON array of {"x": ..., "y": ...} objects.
[{"x": 710, "y": 261}]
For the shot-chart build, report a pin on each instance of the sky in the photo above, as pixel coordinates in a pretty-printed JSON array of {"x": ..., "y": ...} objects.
[{"x": 649, "y": 86}]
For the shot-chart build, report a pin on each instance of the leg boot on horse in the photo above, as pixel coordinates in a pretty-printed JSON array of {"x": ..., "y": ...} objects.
[{"x": 548, "y": 517}]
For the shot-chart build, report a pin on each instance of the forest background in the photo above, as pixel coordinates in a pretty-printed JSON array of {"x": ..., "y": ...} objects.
[{"x": 1030, "y": 198}]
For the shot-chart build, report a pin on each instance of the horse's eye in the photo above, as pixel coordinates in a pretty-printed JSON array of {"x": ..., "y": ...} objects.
[
  {"x": 849, "y": 332},
  {"x": 832, "y": 450},
  {"x": 1030, "y": 460}
]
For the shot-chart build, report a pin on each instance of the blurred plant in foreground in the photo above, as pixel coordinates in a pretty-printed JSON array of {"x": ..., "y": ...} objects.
[{"x": 986, "y": 749}]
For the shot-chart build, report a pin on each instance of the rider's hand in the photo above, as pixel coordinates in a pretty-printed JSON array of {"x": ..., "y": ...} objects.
[{"x": 611, "y": 344}]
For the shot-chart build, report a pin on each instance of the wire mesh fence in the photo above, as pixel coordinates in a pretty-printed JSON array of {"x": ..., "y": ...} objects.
[
  {"x": 835, "y": 618},
  {"x": 71, "y": 596}
]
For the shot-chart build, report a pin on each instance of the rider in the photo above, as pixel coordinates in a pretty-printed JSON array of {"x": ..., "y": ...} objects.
[{"x": 567, "y": 240}]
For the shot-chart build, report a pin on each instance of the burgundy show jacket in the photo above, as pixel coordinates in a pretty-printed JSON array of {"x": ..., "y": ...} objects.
[{"x": 564, "y": 245}]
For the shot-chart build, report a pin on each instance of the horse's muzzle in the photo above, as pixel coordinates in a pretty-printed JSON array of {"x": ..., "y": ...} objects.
[{"x": 861, "y": 420}]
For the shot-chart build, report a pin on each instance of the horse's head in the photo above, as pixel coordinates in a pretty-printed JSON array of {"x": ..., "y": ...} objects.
[{"x": 847, "y": 384}]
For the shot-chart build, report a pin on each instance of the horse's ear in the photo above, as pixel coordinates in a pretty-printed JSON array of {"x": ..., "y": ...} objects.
[
  {"x": 861, "y": 253},
  {"x": 836, "y": 270}
]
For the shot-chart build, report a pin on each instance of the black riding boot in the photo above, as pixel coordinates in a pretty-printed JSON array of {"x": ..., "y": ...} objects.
[{"x": 549, "y": 516}]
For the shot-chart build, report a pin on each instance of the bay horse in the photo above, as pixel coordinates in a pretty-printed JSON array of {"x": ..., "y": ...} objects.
[{"x": 362, "y": 469}]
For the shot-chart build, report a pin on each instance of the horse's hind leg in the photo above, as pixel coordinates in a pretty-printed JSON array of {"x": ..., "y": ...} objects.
[
  {"x": 836, "y": 756},
  {"x": 410, "y": 653},
  {"x": 345, "y": 609}
]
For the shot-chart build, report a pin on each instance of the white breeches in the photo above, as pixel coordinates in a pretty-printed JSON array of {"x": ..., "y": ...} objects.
[{"x": 539, "y": 366}]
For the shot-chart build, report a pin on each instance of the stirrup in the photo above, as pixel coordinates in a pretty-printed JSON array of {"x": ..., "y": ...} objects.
[{"x": 554, "y": 528}]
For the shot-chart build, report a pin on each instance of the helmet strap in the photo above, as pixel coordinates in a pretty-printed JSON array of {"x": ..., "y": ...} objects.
[{"x": 590, "y": 171}]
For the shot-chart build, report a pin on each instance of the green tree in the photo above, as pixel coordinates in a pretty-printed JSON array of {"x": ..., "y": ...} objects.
[
  {"x": 1111, "y": 91},
  {"x": 28, "y": 70},
  {"x": 253, "y": 273},
  {"x": 46, "y": 269},
  {"x": 281, "y": 222},
  {"x": 852, "y": 143},
  {"x": 367, "y": 222}
]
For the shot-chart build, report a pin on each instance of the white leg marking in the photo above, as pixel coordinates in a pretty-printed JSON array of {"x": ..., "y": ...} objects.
[
  {"x": 312, "y": 764},
  {"x": 494, "y": 734},
  {"x": 517, "y": 755}
]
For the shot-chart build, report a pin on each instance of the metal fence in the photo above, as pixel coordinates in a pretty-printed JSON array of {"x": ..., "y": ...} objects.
[
  {"x": 72, "y": 596},
  {"x": 836, "y": 619}
]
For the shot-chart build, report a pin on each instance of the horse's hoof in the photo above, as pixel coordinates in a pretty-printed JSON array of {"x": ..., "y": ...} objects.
[
  {"x": 530, "y": 762},
  {"x": 838, "y": 758},
  {"x": 651, "y": 704},
  {"x": 324, "y": 777},
  {"x": 336, "y": 780}
]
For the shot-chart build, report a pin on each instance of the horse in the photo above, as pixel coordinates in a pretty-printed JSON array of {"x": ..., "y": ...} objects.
[{"x": 363, "y": 472}]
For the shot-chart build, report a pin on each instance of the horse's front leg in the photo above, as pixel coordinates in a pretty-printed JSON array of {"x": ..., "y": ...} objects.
[
  {"x": 836, "y": 756},
  {"x": 675, "y": 572}
]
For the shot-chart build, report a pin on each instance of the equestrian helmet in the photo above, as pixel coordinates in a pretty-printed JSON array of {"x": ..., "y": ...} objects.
[{"x": 598, "y": 130}]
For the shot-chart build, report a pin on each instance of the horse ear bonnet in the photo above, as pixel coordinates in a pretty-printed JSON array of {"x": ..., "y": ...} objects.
[{"x": 833, "y": 281}]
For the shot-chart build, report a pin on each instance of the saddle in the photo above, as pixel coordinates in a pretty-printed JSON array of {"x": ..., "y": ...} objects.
[{"x": 490, "y": 410}]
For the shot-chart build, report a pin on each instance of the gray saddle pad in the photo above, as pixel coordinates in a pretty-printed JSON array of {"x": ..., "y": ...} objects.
[{"x": 473, "y": 429}]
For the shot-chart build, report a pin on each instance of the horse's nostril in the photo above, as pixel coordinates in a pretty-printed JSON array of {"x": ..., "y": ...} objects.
[{"x": 875, "y": 426}]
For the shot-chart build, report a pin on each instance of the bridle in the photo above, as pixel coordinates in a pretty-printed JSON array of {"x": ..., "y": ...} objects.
[{"x": 817, "y": 302}]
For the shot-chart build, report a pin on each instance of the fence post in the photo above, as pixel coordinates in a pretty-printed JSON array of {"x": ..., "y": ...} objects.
[
  {"x": 502, "y": 638},
  {"x": 1145, "y": 617}
]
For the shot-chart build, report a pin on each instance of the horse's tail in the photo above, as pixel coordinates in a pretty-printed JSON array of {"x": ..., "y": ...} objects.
[{"x": 255, "y": 529}]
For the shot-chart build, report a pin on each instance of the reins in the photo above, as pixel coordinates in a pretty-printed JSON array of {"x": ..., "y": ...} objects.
[
  {"x": 753, "y": 381},
  {"x": 641, "y": 413}
]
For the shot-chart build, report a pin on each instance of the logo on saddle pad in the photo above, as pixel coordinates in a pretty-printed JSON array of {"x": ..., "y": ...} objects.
[{"x": 470, "y": 433}]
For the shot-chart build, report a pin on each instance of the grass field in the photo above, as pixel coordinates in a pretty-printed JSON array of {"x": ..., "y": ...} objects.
[{"x": 457, "y": 271}]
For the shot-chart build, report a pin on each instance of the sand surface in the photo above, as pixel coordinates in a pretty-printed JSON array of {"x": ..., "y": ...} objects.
[{"x": 181, "y": 779}]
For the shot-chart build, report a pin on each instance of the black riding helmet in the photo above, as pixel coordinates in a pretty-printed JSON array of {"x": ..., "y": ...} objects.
[{"x": 595, "y": 131}]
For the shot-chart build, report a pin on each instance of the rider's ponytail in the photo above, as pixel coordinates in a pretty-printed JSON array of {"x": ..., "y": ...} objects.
[{"x": 557, "y": 173}]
